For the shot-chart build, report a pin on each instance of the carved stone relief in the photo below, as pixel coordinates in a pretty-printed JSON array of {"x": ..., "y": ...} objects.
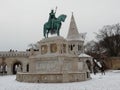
[
  {"x": 44, "y": 49},
  {"x": 53, "y": 48}
]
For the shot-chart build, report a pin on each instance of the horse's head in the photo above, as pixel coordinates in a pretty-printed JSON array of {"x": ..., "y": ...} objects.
[{"x": 62, "y": 17}]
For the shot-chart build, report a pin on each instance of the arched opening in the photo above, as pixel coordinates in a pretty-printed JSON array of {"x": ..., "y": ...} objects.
[
  {"x": 87, "y": 74},
  {"x": 3, "y": 69},
  {"x": 3, "y": 66},
  {"x": 89, "y": 65},
  {"x": 27, "y": 67},
  {"x": 17, "y": 66}
]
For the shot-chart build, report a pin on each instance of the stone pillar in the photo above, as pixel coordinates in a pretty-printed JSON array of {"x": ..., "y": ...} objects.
[
  {"x": 32, "y": 66},
  {"x": 40, "y": 48},
  {"x": 61, "y": 60},
  {"x": 48, "y": 48},
  {"x": 9, "y": 69},
  {"x": 24, "y": 67},
  {"x": 67, "y": 48},
  {"x": 58, "y": 48}
]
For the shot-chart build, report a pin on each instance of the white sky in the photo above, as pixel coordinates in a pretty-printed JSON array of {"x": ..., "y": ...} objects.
[{"x": 21, "y": 21}]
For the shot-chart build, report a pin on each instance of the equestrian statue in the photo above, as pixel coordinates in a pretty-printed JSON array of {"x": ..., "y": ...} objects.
[{"x": 54, "y": 24}]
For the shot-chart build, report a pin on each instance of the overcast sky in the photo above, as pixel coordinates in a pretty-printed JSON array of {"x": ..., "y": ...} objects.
[{"x": 21, "y": 21}]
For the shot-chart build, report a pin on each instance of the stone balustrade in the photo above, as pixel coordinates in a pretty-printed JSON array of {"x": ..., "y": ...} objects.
[{"x": 15, "y": 54}]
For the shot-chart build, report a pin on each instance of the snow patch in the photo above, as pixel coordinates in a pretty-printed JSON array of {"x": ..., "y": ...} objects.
[{"x": 109, "y": 81}]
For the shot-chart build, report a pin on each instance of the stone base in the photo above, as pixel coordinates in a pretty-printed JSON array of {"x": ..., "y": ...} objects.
[
  {"x": 51, "y": 77},
  {"x": 54, "y": 64}
]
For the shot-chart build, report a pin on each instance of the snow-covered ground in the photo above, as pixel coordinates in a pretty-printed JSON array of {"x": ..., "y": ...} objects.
[{"x": 110, "y": 81}]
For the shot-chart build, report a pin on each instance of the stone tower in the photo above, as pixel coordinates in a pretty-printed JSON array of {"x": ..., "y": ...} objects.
[{"x": 74, "y": 38}]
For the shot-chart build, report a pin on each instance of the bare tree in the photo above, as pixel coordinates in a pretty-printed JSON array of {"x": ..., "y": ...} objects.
[
  {"x": 94, "y": 49},
  {"x": 89, "y": 47},
  {"x": 109, "y": 39}
]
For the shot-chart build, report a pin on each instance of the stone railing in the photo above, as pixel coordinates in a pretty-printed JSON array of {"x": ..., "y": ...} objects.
[{"x": 14, "y": 54}]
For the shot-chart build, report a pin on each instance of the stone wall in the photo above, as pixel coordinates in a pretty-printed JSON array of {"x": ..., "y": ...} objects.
[
  {"x": 53, "y": 64},
  {"x": 113, "y": 62},
  {"x": 14, "y": 54},
  {"x": 12, "y": 59},
  {"x": 51, "y": 77}
]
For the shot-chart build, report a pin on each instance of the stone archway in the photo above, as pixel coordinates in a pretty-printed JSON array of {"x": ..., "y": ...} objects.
[
  {"x": 27, "y": 67},
  {"x": 16, "y": 65},
  {"x": 89, "y": 65},
  {"x": 3, "y": 66}
]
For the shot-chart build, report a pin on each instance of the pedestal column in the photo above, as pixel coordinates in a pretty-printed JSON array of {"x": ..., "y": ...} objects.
[{"x": 9, "y": 69}]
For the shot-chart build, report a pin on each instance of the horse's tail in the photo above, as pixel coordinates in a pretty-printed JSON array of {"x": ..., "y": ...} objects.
[{"x": 44, "y": 30}]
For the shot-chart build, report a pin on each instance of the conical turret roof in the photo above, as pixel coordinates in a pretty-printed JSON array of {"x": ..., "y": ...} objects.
[{"x": 73, "y": 33}]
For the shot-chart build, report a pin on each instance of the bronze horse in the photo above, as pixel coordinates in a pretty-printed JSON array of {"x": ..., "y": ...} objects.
[{"x": 56, "y": 26}]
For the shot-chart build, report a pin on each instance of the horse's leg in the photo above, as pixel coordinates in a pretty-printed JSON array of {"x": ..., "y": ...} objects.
[
  {"x": 47, "y": 34},
  {"x": 58, "y": 28},
  {"x": 44, "y": 30}
]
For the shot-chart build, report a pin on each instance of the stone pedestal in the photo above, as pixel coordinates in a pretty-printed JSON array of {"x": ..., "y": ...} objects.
[{"x": 53, "y": 64}]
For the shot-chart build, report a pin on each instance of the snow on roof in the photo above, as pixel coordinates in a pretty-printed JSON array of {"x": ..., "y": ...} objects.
[
  {"x": 73, "y": 33},
  {"x": 84, "y": 55}
]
